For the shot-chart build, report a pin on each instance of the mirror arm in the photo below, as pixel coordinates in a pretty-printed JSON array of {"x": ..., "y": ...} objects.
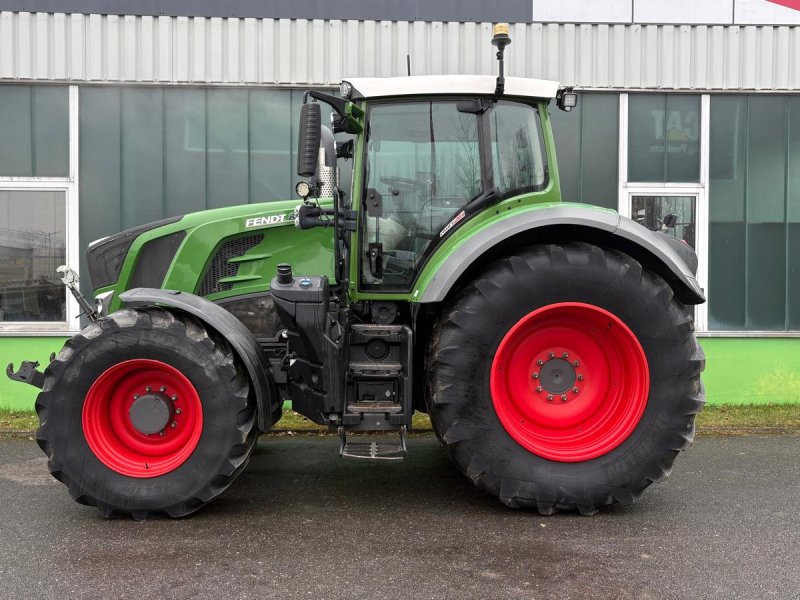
[
  {"x": 349, "y": 115},
  {"x": 341, "y": 106}
]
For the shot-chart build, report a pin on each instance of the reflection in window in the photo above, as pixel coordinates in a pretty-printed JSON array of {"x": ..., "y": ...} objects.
[
  {"x": 517, "y": 152},
  {"x": 664, "y": 137},
  {"x": 32, "y": 246},
  {"x": 652, "y": 212}
]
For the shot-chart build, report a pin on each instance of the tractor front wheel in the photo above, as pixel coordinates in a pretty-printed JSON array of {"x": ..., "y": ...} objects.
[
  {"x": 565, "y": 377},
  {"x": 146, "y": 412}
]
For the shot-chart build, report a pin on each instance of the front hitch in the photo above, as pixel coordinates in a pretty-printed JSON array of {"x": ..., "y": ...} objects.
[{"x": 27, "y": 373}]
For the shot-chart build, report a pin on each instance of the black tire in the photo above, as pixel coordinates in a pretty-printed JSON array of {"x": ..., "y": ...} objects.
[
  {"x": 468, "y": 334},
  {"x": 228, "y": 433}
]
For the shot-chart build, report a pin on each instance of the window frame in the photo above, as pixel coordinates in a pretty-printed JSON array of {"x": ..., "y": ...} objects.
[
  {"x": 628, "y": 189},
  {"x": 69, "y": 186}
]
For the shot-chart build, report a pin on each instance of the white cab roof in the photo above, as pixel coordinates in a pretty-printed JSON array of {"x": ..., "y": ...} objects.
[{"x": 434, "y": 85}]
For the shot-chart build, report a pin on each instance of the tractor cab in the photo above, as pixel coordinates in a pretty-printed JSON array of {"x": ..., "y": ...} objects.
[
  {"x": 429, "y": 152},
  {"x": 431, "y": 161}
]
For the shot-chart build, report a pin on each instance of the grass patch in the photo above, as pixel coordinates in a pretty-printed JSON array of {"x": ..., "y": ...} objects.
[
  {"x": 17, "y": 421},
  {"x": 779, "y": 418},
  {"x": 291, "y": 421}
]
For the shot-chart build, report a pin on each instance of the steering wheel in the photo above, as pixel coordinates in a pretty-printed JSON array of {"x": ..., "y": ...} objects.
[{"x": 401, "y": 184}]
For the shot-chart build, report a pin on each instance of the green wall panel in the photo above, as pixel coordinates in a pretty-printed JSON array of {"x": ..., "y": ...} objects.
[
  {"x": 738, "y": 370},
  {"x": 15, "y": 395},
  {"x": 752, "y": 370}
]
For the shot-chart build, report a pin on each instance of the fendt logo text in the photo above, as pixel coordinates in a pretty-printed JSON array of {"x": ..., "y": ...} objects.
[{"x": 262, "y": 221}]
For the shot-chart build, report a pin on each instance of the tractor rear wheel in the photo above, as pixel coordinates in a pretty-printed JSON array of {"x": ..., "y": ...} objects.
[
  {"x": 145, "y": 412},
  {"x": 566, "y": 377}
]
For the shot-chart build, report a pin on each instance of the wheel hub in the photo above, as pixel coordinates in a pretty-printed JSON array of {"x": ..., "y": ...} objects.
[
  {"x": 557, "y": 376},
  {"x": 151, "y": 412}
]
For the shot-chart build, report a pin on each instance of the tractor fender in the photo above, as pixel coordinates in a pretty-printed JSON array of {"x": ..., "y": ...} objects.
[
  {"x": 664, "y": 255},
  {"x": 235, "y": 333}
]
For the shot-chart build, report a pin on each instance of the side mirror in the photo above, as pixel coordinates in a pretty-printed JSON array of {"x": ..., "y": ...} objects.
[
  {"x": 670, "y": 220},
  {"x": 310, "y": 133}
]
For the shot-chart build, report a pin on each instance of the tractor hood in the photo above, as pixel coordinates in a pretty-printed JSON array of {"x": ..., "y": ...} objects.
[{"x": 216, "y": 253}]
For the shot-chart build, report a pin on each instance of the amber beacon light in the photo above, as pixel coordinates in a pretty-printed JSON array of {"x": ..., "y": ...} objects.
[{"x": 500, "y": 39}]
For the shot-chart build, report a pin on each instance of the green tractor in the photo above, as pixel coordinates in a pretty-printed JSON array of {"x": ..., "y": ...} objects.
[{"x": 552, "y": 344}]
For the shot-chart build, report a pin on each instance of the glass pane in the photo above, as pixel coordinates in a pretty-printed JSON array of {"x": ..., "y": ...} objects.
[
  {"x": 50, "y": 131},
  {"x": 16, "y": 156},
  {"x": 766, "y": 217},
  {"x": 227, "y": 148},
  {"x": 32, "y": 246},
  {"x": 683, "y": 137},
  {"x": 646, "y": 147},
  {"x": 753, "y": 234},
  {"x": 34, "y": 131},
  {"x": 142, "y": 156},
  {"x": 657, "y": 212},
  {"x": 518, "y": 157},
  {"x": 587, "y": 146},
  {"x": 726, "y": 229},
  {"x": 663, "y": 137},
  {"x": 424, "y": 161},
  {"x": 793, "y": 218},
  {"x": 100, "y": 204},
  {"x": 271, "y": 168},
  {"x": 599, "y": 163},
  {"x": 184, "y": 151}
]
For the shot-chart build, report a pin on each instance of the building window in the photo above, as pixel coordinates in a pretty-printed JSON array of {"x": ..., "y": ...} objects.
[
  {"x": 663, "y": 179},
  {"x": 587, "y": 146},
  {"x": 35, "y": 192},
  {"x": 34, "y": 131},
  {"x": 754, "y": 226},
  {"x": 32, "y": 247},
  {"x": 664, "y": 138}
]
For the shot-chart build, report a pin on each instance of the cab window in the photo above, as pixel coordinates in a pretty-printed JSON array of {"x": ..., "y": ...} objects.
[
  {"x": 423, "y": 161},
  {"x": 518, "y": 156}
]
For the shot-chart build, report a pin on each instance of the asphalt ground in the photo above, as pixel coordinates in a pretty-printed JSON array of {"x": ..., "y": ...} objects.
[{"x": 303, "y": 523}]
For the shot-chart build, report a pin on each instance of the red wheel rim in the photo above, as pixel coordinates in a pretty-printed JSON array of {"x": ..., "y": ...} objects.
[
  {"x": 110, "y": 430},
  {"x": 570, "y": 382}
]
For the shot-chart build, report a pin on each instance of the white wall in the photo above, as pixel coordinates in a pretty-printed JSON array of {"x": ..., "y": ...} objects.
[{"x": 708, "y": 12}]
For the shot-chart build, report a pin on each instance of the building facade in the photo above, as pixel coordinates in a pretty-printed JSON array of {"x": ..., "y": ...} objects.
[{"x": 108, "y": 121}]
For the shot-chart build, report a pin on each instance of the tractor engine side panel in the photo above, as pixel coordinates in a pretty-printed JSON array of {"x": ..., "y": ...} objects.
[{"x": 223, "y": 253}]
